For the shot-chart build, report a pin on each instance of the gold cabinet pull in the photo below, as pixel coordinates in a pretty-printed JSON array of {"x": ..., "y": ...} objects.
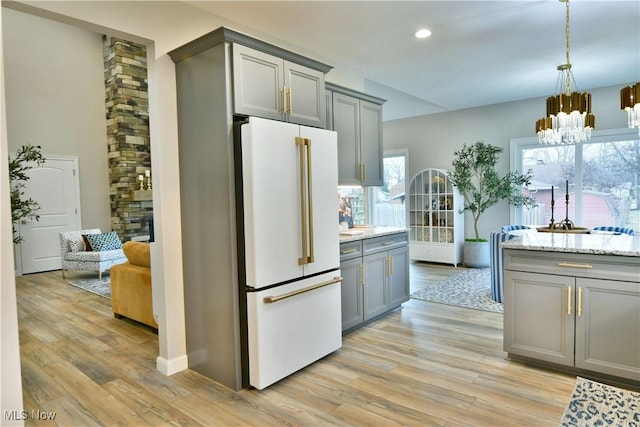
[
  {"x": 569, "y": 301},
  {"x": 571, "y": 264},
  {"x": 272, "y": 299},
  {"x": 283, "y": 91},
  {"x": 361, "y": 171},
  {"x": 390, "y": 265},
  {"x": 364, "y": 173},
  {"x": 348, "y": 251},
  {"x": 290, "y": 107},
  {"x": 579, "y": 301}
]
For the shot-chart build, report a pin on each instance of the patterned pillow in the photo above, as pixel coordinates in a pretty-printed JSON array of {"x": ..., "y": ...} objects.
[{"x": 104, "y": 242}]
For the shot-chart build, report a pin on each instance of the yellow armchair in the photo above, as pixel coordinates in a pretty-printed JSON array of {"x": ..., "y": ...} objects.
[{"x": 131, "y": 285}]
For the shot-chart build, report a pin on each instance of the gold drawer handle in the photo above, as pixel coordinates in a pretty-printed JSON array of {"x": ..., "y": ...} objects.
[
  {"x": 388, "y": 243},
  {"x": 348, "y": 251},
  {"x": 570, "y": 264},
  {"x": 269, "y": 300}
]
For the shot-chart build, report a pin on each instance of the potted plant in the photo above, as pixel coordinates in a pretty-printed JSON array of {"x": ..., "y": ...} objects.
[
  {"x": 23, "y": 208},
  {"x": 475, "y": 176}
]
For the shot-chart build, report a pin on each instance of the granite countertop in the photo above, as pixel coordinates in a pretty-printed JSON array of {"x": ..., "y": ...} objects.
[
  {"x": 368, "y": 232},
  {"x": 597, "y": 244}
]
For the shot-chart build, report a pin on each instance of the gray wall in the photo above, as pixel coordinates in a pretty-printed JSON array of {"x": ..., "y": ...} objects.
[
  {"x": 55, "y": 98},
  {"x": 432, "y": 139}
]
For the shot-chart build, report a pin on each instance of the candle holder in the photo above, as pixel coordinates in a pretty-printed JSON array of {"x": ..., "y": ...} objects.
[{"x": 566, "y": 224}]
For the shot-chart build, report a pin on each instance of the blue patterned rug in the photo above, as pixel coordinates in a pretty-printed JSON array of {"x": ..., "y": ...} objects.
[
  {"x": 95, "y": 286},
  {"x": 470, "y": 288},
  {"x": 596, "y": 404}
]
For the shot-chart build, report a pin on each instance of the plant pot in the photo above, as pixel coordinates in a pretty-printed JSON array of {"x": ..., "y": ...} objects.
[{"x": 475, "y": 254}]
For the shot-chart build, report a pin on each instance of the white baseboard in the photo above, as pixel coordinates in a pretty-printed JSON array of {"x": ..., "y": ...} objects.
[{"x": 172, "y": 366}]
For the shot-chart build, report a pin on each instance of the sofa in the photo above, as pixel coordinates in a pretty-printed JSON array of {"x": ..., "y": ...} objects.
[
  {"x": 131, "y": 295},
  {"x": 496, "y": 256},
  {"x": 76, "y": 252}
]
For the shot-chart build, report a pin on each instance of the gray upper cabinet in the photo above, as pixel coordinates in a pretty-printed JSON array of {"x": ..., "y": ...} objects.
[
  {"x": 357, "y": 118},
  {"x": 267, "y": 86}
]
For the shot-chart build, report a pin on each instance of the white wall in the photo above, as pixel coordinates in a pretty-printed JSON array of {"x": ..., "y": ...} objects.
[
  {"x": 432, "y": 139},
  {"x": 54, "y": 76}
]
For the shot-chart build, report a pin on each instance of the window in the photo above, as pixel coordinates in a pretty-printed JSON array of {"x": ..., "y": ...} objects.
[
  {"x": 386, "y": 203},
  {"x": 601, "y": 178}
]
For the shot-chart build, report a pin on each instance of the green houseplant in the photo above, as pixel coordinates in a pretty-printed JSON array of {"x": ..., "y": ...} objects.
[
  {"x": 23, "y": 208},
  {"x": 474, "y": 174}
]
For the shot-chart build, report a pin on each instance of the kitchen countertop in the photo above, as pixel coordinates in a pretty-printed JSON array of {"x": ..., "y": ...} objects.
[
  {"x": 368, "y": 232},
  {"x": 596, "y": 244}
]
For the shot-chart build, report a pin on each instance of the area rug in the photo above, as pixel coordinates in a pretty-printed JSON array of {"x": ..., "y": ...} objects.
[
  {"x": 96, "y": 286},
  {"x": 470, "y": 288},
  {"x": 596, "y": 404}
]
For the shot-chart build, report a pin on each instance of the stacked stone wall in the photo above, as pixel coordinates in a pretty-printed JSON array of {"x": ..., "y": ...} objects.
[{"x": 127, "y": 112}]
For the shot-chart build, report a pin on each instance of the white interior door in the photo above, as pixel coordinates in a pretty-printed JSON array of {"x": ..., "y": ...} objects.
[{"x": 55, "y": 186}]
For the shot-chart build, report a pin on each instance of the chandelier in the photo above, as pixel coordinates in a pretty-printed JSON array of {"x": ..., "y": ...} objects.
[
  {"x": 630, "y": 101},
  {"x": 569, "y": 119}
]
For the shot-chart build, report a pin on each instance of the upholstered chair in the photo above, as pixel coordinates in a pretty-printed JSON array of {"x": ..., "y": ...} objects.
[
  {"x": 76, "y": 252},
  {"x": 496, "y": 257},
  {"x": 614, "y": 229}
]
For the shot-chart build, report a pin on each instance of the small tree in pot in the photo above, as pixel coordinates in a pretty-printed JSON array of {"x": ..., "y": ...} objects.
[{"x": 474, "y": 174}]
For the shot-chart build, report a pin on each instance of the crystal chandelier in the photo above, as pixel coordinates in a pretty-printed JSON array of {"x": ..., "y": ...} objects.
[
  {"x": 630, "y": 102},
  {"x": 569, "y": 119}
]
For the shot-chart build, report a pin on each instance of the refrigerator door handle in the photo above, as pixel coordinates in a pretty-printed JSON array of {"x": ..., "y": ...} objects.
[
  {"x": 305, "y": 201},
  {"x": 272, "y": 299},
  {"x": 310, "y": 258}
]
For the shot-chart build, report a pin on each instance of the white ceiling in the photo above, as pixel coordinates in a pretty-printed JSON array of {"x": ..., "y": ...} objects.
[{"x": 480, "y": 52}]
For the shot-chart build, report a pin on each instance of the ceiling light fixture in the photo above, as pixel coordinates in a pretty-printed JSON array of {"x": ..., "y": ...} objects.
[
  {"x": 423, "y": 33},
  {"x": 569, "y": 119},
  {"x": 630, "y": 102}
]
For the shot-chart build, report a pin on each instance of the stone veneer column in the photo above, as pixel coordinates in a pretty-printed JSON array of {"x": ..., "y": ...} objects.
[{"x": 127, "y": 110}]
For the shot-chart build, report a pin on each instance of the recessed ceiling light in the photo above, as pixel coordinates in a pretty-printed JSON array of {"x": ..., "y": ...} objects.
[{"x": 423, "y": 33}]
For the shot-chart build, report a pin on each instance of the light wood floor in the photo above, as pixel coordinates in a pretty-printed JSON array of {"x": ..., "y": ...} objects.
[{"x": 426, "y": 364}]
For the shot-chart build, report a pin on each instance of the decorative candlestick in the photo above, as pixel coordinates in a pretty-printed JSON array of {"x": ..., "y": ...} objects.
[
  {"x": 141, "y": 179},
  {"x": 566, "y": 224},
  {"x": 148, "y": 174},
  {"x": 553, "y": 204}
]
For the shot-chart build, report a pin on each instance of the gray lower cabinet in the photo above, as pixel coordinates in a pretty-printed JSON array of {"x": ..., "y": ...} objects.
[
  {"x": 375, "y": 276},
  {"x": 267, "y": 86},
  {"x": 585, "y": 323},
  {"x": 357, "y": 118}
]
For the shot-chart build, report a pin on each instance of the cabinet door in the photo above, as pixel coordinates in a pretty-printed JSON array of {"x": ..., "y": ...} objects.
[
  {"x": 539, "y": 316},
  {"x": 305, "y": 95},
  {"x": 257, "y": 83},
  {"x": 398, "y": 280},
  {"x": 346, "y": 121},
  {"x": 328, "y": 95},
  {"x": 608, "y": 327},
  {"x": 376, "y": 300},
  {"x": 371, "y": 143},
  {"x": 352, "y": 303}
]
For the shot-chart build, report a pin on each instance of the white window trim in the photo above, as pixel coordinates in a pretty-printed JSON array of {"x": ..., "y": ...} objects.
[{"x": 516, "y": 146}]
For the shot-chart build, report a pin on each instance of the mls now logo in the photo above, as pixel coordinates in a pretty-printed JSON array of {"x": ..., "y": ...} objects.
[{"x": 15, "y": 415}]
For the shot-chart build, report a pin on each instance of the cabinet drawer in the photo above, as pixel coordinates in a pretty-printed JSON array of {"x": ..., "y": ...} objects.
[
  {"x": 349, "y": 250},
  {"x": 385, "y": 243},
  {"x": 610, "y": 267}
]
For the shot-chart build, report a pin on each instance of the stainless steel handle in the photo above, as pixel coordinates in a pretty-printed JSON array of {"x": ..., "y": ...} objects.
[
  {"x": 571, "y": 264},
  {"x": 272, "y": 299},
  {"x": 569, "y": 301}
]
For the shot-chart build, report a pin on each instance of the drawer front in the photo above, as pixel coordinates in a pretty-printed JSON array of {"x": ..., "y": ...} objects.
[
  {"x": 385, "y": 243},
  {"x": 610, "y": 267},
  {"x": 350, "y": 250}
]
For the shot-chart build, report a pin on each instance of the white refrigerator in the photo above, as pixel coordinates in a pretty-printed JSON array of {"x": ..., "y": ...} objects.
[{"x": 290, "y": 255}]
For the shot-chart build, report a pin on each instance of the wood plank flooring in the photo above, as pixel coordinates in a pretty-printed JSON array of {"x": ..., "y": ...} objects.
[{"x": 424, "y": 365}]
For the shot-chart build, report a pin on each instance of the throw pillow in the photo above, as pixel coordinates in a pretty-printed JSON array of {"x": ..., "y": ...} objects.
[
  {"x": 104, "y": 242},
  {"x": 87, "y": 245}
]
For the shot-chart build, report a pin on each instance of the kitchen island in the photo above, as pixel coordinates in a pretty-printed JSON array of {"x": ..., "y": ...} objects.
[
  {"x": 572, "y": 301},
  {"x": 374, "y": 262}
]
